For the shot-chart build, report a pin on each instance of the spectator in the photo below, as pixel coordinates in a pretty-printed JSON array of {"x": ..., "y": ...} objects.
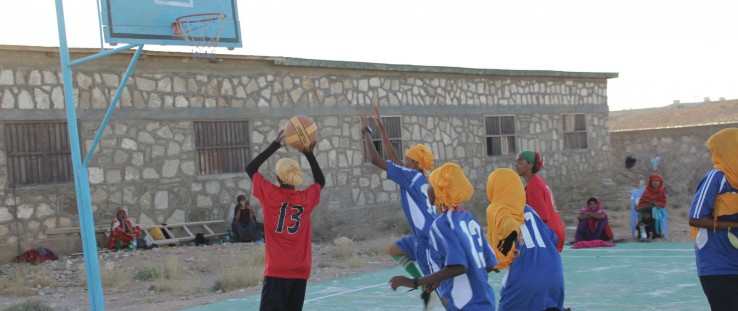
[
  {"x": 593, "y": 222},
  {"x": 654, "y": 196},
  {"x": 122, "y": 231},
  {"x": 244, "y": 225}
]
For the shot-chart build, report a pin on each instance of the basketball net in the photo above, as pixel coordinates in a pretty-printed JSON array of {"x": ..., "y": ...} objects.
[{"x": 202, "y": 32}]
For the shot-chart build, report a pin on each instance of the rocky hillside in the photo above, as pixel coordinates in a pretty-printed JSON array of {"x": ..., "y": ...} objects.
[{"x": 675, "y": 115}]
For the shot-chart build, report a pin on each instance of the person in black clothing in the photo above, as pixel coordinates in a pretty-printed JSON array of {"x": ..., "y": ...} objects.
[
  {"x": 647, "y": 226},
  {"x": 244, "y": 225}
]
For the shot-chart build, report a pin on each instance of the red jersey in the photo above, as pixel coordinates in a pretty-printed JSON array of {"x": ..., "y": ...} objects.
[
  {"x": 287, "y": 229},
  {"x": 540, "y": 198}
]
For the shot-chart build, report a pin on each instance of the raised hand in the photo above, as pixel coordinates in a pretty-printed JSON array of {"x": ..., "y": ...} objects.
[
  {"x": 377, "y": 118},
  {"x": 309, "y": 147},
  {"x": 280, "y": 137}
]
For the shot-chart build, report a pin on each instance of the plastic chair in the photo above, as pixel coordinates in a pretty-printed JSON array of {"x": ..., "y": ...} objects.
[{"x": 635, "y": 196}]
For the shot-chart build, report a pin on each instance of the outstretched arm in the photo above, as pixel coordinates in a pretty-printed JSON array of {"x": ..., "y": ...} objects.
[
  {"x": 388, "y": 148},
  {"x": 431, "y": 281},
  {"x": 254, "y": 165},
  {"x": 710, "y": 223},
  {"x": 314, "y": 167},
  {"x": 374, "y": 156}
]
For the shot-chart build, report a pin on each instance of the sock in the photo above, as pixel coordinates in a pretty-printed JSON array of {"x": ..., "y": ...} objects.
[{"x": 408, "y": 265}]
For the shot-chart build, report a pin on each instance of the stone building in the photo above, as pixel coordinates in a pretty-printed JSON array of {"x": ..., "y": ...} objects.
[{"x": 176, "y": 147}]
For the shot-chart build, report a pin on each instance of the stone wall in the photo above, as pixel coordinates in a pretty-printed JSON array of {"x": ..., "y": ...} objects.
[
  {"x": 678, "y": 154},
  {"x": 146, "y": 161}
]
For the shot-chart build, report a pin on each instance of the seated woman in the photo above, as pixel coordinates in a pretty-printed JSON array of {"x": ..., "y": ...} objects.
[
  {"x": 244, "y": 226},
  {"x": 654, "y": 197},
  {"x": 593, "y": 223},
  {"x": 121, "y": 229}
]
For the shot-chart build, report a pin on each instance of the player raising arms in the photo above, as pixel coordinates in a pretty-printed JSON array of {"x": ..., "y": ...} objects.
[
  {"x": 410, "y": 176},
  {"x": 522, "y": 242},
  {"x": 286, "y": 226},
  {"x": 456, "y": 235}
]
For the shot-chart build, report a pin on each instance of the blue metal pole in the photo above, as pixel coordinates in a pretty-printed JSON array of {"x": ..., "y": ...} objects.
[
  {"x": 81, "y": 182},
  {"x": 113, "y": 103},
  {"x": 102, "y": 54}
]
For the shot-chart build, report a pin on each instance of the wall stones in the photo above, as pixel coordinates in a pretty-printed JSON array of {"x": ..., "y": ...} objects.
[{"x": 147, "y": 161}]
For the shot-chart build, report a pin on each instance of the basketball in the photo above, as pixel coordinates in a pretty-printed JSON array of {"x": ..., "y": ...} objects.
[{"x": 300, "y": 131}]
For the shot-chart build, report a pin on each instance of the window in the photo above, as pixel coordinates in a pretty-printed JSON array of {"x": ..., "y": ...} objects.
[
  {"x": 222, "y": 146},
  {"x": 575, "y": 131},
  {"x": 500, "y": 135},
  {"x": 38, "y": 153},
  {"x": 394, "y": 132}
]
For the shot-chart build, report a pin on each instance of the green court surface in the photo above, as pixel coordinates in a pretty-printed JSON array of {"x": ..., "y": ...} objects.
[{"x": 629, "y": 276}]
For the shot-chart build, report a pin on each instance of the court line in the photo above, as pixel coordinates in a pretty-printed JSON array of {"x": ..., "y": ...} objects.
[
  {"x": 630, "y": 249},
  {"x": 346, "y": 292},
  {"x": 621, "y": 256}
]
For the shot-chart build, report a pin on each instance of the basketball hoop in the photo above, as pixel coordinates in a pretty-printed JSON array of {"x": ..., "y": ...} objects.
[{"x": 202, "y": 32}]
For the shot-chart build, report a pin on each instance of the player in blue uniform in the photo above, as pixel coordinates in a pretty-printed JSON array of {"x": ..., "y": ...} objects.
[
  {"x": 413, "y": 197},
  {"x": 714, "y": 217},
  {"x": 457, "y": 237},
  {"x": 523, "y": 243}
]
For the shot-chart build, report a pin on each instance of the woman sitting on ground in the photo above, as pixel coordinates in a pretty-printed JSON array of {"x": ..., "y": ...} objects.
[
  {"x": 244, "y": 226},
  {"x": 121, "y": 229},
  {"x": 593, "y": 224}
]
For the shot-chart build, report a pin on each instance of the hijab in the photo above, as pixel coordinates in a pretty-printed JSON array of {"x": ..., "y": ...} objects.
[
  {"x": 422, "y": 155},
  {"x": 653, "y": 195},
  {"x": 289, "y": 172},
  {"x": 450, "y": 186},
  {"x": 505, "y": 213}
]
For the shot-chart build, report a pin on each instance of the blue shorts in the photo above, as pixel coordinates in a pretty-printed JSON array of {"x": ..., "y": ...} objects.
[{"x": 427, "y": 260}]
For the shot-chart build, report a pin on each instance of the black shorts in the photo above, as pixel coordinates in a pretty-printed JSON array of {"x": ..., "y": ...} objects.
[
  {"x": 721, "y": 291},
  {"x": 281, "y": 294}
]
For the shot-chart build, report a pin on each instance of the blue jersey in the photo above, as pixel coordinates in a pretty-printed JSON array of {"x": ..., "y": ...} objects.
[
  {"x": 414, "y": 199},
  {"x": 458, "y": 239},
  {"x": 535, "y": 279},
  {"x": 713, "y": 252}
]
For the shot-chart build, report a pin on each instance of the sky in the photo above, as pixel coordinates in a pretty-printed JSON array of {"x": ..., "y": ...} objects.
[{"x": 662, "y": 50}]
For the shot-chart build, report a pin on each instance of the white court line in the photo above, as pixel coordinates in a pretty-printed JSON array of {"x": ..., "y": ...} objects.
[
  {"x": 630, "y": 250},
  {"x": 621, "y": 256},
  {"x": 346, "y": 292}
]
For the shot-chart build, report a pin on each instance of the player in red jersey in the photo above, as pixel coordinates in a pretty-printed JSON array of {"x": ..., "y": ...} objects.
[{"x": 286, "y": 226}]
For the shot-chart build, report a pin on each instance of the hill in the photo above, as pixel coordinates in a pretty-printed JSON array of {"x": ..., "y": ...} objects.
[{"x": 675, "y": 115}]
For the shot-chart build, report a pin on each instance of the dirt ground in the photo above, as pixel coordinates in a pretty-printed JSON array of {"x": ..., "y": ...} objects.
[{"x": 194, "y": 274}]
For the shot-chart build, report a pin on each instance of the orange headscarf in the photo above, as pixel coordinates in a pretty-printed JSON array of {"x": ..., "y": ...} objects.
[
  {"x": 505, "y": 212},
  {"x": 450, "y": 186},
  {"x": 724, "y": 148},
  {"x": 422, "y": 155}
]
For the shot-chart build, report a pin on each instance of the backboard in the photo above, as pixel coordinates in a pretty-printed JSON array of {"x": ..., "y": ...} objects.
[{"x": 150, "y": 21}]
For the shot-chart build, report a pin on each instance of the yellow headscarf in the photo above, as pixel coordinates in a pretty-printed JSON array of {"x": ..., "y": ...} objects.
[
  {"x": 505, "y": 212},
  {"x": 450, "y": 186},
  {"x": 423, "y": 155},
  {"x": 724, "y": 148},
  {"x": 289, "y": 172}
]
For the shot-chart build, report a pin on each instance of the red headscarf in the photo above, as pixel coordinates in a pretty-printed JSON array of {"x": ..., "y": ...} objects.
[
  {"x": 653, "y": 195},
  {"x": 593, "y": 221}
]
